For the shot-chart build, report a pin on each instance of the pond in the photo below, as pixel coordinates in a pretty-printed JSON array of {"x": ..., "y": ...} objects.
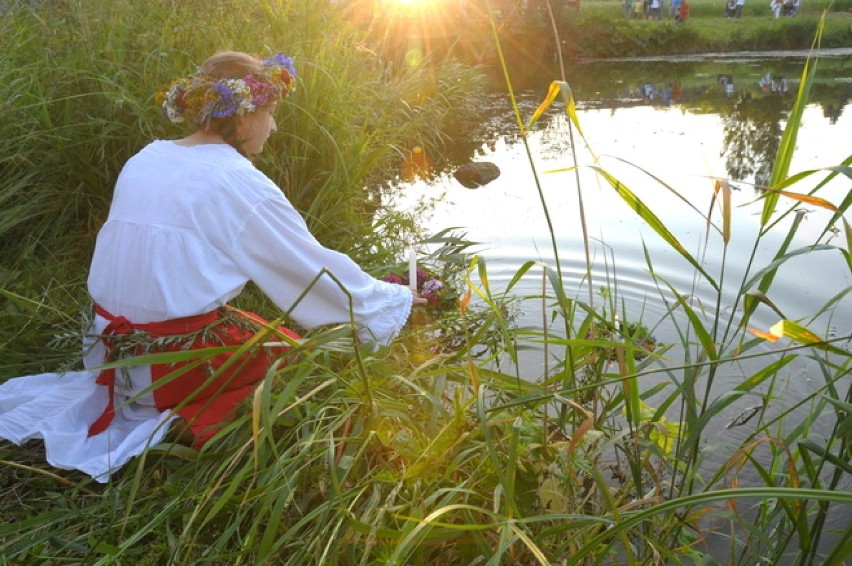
[
  {"x": 687, "y": 121},
  {"x": 687, "y": 139}
]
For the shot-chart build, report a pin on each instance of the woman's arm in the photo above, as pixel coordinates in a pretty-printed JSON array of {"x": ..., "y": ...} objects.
[{"x": 313, "y": 284}]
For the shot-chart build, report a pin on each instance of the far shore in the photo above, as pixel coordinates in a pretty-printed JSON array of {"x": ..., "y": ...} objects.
[{"x": 787, "y": 53}]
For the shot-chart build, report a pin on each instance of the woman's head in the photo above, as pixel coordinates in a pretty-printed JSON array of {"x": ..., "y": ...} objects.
[
  {"x": 233, "y": 94},
  {"x": 231, "y": 65}
]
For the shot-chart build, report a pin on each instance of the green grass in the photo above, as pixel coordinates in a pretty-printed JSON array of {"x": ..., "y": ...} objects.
[
  {"x": 80, "y": 100},
  {"x": 600, "y": 30},
  {"x": 428, "y": 451},
  {"x": 712, "y": 9}
]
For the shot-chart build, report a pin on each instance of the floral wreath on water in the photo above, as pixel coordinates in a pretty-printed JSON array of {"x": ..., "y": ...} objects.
[
  {"x": 204, "y": 98},
  {"x": 428, "y": 286}
]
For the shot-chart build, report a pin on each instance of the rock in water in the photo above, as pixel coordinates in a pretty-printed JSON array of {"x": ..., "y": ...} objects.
[{"x": 473, "y": 175}]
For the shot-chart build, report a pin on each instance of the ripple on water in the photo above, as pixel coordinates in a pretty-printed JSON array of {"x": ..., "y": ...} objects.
[
  {"x": 683, "y": 149},
  {"x": 684, "y": 146}
]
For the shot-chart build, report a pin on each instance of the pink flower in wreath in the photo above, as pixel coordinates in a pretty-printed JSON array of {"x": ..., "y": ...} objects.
[{"x": 431, "y": 286}]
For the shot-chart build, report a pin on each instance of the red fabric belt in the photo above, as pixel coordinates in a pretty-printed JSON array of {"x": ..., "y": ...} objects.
[{"x": 119, "y": 325}]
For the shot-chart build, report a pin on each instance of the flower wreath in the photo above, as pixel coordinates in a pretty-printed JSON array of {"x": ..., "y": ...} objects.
[
  {"x": 205, "y": 98},
  {"x": 428, "y": 286}
]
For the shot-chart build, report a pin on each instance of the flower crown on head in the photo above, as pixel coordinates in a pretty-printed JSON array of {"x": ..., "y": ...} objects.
[{"x": 204, "y": 98}]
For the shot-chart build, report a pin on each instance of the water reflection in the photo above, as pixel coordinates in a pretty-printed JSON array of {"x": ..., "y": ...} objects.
[
  {"x": 687, "y": 128},
  {"x": 752, "y": 135},
  {"x": 685, "y": 125},
  {"x": 752, "y": 95}
]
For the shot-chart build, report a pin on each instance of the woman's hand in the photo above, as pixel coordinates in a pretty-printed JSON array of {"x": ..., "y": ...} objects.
[{"x": 418, "y": 300}]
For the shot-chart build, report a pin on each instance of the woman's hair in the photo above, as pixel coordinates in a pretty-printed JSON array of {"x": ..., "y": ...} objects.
[{"x": 230, "y": 65}]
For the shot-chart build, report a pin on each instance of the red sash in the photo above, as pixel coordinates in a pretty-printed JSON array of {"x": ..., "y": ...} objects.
[{"x": 209, "y": 404}]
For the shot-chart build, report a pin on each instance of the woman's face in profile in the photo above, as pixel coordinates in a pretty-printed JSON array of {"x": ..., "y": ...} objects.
[{"x": 255, "y": 128}]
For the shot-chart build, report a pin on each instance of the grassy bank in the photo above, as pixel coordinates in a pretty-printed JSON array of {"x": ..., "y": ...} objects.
[
  {"x": 600, "y": 29},
  {"x": 597, "y": 29},
  {"x": 428, "y": 452}
]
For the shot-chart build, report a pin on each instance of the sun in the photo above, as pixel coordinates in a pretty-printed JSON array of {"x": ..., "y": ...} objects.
[
  {"x": 412, "y": 4},
  {"x": 416, "y": 23},
  {"x": 418, "y": 6}
]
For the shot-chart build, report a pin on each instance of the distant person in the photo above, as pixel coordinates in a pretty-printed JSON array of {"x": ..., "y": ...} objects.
[
  {"x": 727, "y": 82},
  {"x": 674, "y": 9},
  {"x": 777, "y": 6},
  {"x": 730, "y": 8},
  {"x": 628, "y": 8},
  {"x": 655, "y": 11},
  {"x": 791, "y": 7},
  {"x": 765, "y": 83},
  {"x": 683, "y": 14},
  {"x": 738, "y": 11},
  {"x": 638, "y": 9}
]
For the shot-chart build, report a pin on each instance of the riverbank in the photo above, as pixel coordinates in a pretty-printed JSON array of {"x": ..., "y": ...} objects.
[
  {"x": 598, "y": 36},
  {"x": 836, "y": 52},
  {"x": 599, "y": 29}
]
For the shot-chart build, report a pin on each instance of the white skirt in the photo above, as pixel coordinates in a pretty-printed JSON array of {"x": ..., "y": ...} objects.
[{"x": 59, "y": 408}]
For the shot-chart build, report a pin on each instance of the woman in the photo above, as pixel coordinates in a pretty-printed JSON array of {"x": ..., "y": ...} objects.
[
  {"x": 777, "y": 7},
  {"x": 191, "y": 222}
]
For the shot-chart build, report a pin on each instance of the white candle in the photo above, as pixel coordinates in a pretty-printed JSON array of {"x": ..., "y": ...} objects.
[{"x": 412, "y": 269}]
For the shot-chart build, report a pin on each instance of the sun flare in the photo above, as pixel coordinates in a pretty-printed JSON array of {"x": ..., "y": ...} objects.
[{"x": 414, "y": 4}]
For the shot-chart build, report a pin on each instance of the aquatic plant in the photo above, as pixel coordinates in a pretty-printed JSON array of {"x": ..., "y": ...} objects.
[{"x": 711, "y": 342}]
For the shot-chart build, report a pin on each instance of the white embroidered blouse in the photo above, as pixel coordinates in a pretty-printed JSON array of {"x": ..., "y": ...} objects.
[{"x": 190, "y": 226}]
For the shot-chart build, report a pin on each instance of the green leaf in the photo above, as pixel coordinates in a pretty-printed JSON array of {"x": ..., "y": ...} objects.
[
  {"x": 826, "y": 455},
  {"x": 788, "y": 139},
  {"x": 801, "y": 334},
  {"x": 751, "y": 298},
  {"x": 774, "y": 265},
  {"x": 653, "y": 221}
]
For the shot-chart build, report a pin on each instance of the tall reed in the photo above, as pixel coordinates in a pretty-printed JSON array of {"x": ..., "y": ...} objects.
[{"x": 664, "y": 461}]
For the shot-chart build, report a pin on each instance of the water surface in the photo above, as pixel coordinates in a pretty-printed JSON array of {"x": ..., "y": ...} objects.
[{"x": 688, "y": 123}]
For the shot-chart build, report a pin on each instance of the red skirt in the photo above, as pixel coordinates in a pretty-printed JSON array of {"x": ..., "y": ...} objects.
[{"x": 198, "y": 390}]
